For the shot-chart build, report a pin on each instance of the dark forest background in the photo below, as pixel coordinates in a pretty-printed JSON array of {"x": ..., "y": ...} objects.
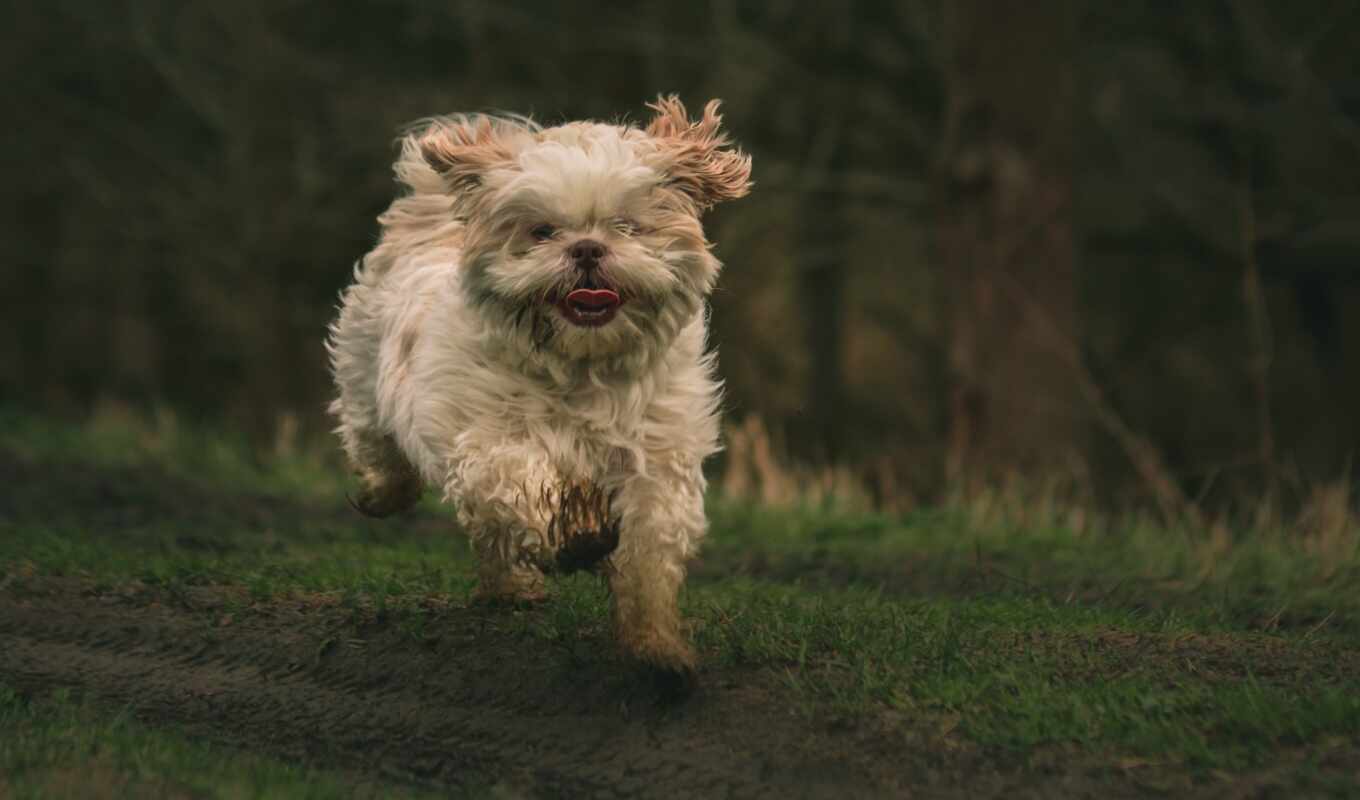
[{"x": 1114, "y": 242}]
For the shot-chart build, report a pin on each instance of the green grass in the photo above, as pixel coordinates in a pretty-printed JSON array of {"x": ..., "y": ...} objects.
[
  {"x": 1014, "y": 675},
  {"x": 60, "y": 747},
  {"x": 117, "y": 439},
  {"x": 1119, "y": 639},
  {"x": 1245, "y": 577}
]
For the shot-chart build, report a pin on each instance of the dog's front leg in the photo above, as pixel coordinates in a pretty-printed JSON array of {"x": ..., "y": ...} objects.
[
  {"x": 497, "y": 494},
  {"x": 661, "y": 522},
  {"x": 504, "y": 574}
]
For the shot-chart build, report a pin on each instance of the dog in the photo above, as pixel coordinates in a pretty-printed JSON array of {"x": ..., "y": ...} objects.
[{"x": 529, "y": 337}]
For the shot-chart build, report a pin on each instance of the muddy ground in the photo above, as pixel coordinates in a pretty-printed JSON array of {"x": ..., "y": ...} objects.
[{"x": 469, "y": 706}]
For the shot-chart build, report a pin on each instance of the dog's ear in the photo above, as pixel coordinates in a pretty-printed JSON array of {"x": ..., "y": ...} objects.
[
  {"x": 463, "y": 149},
  {"x": 696, "y": 156}
]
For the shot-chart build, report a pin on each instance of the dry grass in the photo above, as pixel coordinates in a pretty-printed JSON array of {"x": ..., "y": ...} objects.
[{"x": 1325, "y": 520}]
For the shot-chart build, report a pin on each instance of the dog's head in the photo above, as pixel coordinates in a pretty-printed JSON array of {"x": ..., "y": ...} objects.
[{"x": 584, "y": 241}]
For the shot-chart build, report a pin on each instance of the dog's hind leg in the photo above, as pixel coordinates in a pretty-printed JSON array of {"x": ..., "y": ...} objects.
[{"x": 388, "y": 482}]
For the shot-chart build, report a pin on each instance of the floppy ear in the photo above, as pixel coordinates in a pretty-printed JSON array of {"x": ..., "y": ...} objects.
[
  {"x": 463, "y": 149},
  {"x": 696, "y": 156}
]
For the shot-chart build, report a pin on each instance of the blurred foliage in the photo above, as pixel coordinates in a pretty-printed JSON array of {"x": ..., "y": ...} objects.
[{"x": 188, "y": 184}]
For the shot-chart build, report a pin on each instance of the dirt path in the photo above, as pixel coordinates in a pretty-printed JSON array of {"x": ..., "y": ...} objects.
[
  {"x": 466, "y": 702},
  {"x": 468, "y": 709}
]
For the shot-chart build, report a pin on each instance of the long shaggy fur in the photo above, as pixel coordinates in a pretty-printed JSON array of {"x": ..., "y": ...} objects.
[{"x": 458, "y": 369}]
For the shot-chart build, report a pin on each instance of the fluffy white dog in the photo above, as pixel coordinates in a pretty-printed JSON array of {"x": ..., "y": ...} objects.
[{"x": 529, "y": 337}]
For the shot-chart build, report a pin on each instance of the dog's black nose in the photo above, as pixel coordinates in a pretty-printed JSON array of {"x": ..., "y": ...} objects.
[{"x": 586, "y": 253}]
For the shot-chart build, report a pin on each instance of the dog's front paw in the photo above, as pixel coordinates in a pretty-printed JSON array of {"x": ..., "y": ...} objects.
[
  {"x": 668, "y": 655},
  {"x": 385, "y": 498},
  {"x": 500, "y": 595},
  {"x": 515, "y": 586}
]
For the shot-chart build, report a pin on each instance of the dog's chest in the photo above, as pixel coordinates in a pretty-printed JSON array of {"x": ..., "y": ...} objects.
[
  {"x": 585, "y": 451},
  {"x": 588, "y": 434}
]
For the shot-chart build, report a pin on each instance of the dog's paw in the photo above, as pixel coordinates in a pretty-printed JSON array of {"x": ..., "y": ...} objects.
[
  {"x": 672, "y": 686},
  {"x": 384, "y": 499},
  {"x": 516, "y": 587},
  {"x": 669, "y": 658},
  {"x": 585, "y": 549},
  {"x": 500, "y": 596}
]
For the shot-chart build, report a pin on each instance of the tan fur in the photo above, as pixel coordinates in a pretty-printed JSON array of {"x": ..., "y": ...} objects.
[
  {"x": 462, "y": 151},
  {"x": 699, "y": 161}
]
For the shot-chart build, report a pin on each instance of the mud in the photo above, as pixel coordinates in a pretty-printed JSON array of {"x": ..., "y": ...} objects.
[
  {"x": 469, "y": 707},
  {"x": 464, "y": 706},
  {"x": 469, "y": 700}
]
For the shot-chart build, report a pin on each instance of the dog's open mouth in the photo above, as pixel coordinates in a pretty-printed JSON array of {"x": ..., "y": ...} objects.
[{"x": 590, "y": 306}]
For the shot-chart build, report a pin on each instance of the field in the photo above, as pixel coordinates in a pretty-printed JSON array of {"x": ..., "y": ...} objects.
[{"x": 181, "y": 617}]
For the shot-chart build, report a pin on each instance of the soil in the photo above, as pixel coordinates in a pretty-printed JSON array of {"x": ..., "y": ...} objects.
[
  {"x": 466, "y": 704},
  {"x": 463, "y": 706},
  {"x": 468, "y": 708}
]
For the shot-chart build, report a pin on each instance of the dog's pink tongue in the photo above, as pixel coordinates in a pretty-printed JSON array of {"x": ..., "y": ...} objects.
[{"x": 594, "y": 298}]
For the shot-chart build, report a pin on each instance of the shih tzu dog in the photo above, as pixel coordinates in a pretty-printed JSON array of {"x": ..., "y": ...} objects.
[{"x": 529, "y": 337}]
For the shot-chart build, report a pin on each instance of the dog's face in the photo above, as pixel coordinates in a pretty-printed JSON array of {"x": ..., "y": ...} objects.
[{"x": 584, "y": 241}]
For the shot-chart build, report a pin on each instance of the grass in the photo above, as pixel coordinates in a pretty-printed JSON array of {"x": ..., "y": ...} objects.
[
  {"x": 1248, "y": 577},
  {"x": 1124, "y": 640},
  {"x": 60, "y": 747}
]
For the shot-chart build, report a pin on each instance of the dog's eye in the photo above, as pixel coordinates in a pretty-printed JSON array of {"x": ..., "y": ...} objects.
[
  {"x": 544, "y": 232},
  {"x": 626, "y": 226}
]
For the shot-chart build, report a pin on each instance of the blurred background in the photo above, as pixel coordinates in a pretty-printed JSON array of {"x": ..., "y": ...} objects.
[{"x": 1109, "y": 246}]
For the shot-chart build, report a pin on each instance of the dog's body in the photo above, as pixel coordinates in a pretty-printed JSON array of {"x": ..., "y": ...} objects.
[{"x": 529, "y": 337}]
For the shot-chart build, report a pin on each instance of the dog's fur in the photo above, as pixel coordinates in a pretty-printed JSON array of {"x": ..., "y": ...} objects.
[{"x": 459, "y": 368}]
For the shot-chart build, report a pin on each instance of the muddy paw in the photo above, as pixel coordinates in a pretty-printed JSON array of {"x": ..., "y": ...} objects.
[
  {"x": 517, "y": 587},
  {"x": 670, "y": 659},
  {"x": 585, "y": 549},
  {"x": 386, "y": 499},
  {"x": 671, "y": 686},
  {"x": 497, "y": 596}
]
